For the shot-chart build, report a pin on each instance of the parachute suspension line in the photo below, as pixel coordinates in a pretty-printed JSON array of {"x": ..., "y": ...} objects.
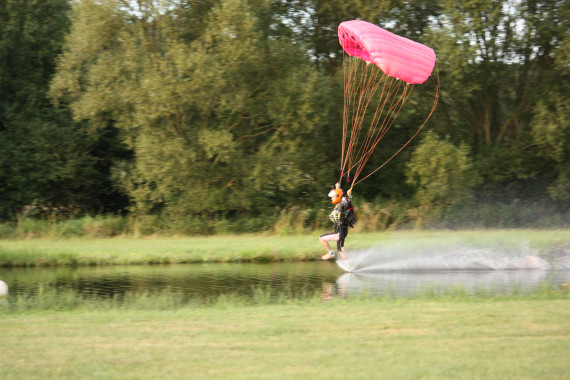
[
  {"x": 370, "y": 93},
  {"x": 355, "y": 104},
  {"x": 357, "y": 97},
  {"x": 347, "y": 83},
  {"x": 349, "y": 75},
  {"x": 350, "y": 71},
  {"x": 434, "y": 105},
  {"x": 373, "y": 132},
  {"x": 398, "y": 93},
  {"x": 380, "y": 70}
]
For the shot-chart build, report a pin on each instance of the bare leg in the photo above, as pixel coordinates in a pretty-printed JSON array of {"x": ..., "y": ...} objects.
[
  {"x": 325, "y": 244},
  {"x": 324, "y": 239},
  {"x": 341, "y": 253}
]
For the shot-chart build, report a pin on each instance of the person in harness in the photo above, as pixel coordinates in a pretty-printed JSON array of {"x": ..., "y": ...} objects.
[{"x": 342, "y": 216}]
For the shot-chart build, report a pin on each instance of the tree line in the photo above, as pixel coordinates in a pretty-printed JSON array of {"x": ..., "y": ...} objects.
[{"x": 231, "y": 110}]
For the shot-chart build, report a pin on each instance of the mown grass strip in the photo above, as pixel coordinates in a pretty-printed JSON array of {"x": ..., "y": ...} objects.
[
  {"x": 515, "y": 338},
  {"x": 126, "y": 250}
]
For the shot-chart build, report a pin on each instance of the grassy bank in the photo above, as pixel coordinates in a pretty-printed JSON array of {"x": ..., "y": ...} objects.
[
  {"x": 157, "y": 250},
  {"x": 523, "y": 337}
]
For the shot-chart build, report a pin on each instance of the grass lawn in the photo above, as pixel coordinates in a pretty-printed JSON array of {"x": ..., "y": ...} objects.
[
  {"x": 60, "y": 336},
  {"x": 128, "y": 250},
  {"x": 513, "y": 338}
]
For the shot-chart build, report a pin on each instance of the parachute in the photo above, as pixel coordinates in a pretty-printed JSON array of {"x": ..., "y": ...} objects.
[{"x": 380, "y": 71}]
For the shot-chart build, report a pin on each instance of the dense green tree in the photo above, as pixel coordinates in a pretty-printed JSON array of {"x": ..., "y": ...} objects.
[
  {"x": 497, "y": 61},
  {"x": 205, "y": 109},
  {"x": 550, "y": 124},
  {"x": 226, "y": 121},
  {"x": 44, "y": 158},
  {"x": 442, "y": 173}
]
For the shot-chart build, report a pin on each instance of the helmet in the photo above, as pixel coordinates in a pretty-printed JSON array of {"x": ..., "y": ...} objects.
[{"x": 335, "y": 195}]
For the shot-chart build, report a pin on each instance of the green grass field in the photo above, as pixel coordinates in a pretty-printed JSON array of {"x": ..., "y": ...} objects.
[
  {"x": 441, "y": 338},
  {"x": 63, "y": 335},
  {"x": 128, "y": 250}
]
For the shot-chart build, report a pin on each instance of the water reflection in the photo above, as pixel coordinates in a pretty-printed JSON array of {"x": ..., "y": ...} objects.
[
  {"x": 399, "y": 283},
  {"x": 194, "y": 280},
  {"x": 211, "y": 280}
]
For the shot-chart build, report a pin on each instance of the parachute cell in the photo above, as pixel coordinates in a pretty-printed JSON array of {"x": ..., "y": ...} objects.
[{"x": 396, "y": 56}]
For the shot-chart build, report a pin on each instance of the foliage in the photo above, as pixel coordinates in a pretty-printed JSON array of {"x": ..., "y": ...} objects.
[
  {"x": 551, "y": 128},
  {"x": 499, "y": 62},
  {"x": 45, "y": 158},
  {"x": 208, "y": 116},
  {"x": 442, "y": 173},
  {"x": 242, "y": 142}
]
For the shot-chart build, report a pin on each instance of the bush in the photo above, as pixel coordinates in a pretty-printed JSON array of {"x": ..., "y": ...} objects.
[
  {"x": 7, "y": 231},
  {"x": 442, "y": 173},
  {"x": 372, "y": 216}
]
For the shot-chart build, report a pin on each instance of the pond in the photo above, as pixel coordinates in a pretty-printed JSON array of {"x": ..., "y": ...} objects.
[
  {"x": 408, "y": 278},
  {"x": 194, "y": 280}
]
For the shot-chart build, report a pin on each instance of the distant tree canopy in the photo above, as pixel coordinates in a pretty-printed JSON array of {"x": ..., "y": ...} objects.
[
  {"x": 223, "y": 120},
  {"x": 500, "y": 61},
  {"x": 441, "y": 173},
  {"x": 218, "y": 108},
  {"x": 45, "y": 158}
]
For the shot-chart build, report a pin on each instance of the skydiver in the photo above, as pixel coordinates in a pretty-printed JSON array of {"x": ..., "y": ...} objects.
[{"x": 338, "y": 217}]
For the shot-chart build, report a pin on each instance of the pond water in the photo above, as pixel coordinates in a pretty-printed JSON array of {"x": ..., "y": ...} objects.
[
  {"x": 394, "y": 279},
  {"x": 194, "y": 280}
]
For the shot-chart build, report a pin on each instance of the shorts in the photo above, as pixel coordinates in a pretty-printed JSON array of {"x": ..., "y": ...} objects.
[{"x": 335, "y": 236}]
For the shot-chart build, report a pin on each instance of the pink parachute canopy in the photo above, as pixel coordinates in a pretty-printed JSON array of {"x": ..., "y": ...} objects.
[{"x": 396, "y": 56}]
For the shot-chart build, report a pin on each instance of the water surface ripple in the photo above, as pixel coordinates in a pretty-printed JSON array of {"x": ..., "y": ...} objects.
[{"x": 212, "y": 280}]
